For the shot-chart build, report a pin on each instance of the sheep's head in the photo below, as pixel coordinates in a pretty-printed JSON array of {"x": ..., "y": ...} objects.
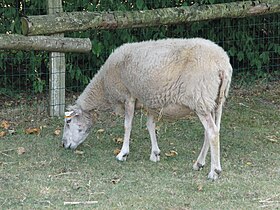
[{"x": 77, "y": 126}]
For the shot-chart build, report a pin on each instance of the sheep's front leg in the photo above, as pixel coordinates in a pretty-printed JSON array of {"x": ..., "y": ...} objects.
[
  {"x": 212, "y": 134},
  {"x": 155, "y": 153},
  {"x": 129, "y": 113}
]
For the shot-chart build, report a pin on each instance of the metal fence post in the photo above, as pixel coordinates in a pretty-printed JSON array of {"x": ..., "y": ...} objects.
[{"x": 56, "y": 71}]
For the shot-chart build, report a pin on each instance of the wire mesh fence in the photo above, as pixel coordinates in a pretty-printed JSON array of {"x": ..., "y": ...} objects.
[{"x": 253, "y": 45}]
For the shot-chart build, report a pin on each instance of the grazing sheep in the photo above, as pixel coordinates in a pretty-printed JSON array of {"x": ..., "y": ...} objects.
[{"x": 169, "y": 78}]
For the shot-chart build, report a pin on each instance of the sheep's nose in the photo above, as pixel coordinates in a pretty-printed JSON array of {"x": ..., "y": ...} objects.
[{"x": 64, "y": 144}]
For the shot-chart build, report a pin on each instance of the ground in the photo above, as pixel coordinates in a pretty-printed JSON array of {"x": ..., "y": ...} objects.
[{"x": 37, "y": 173}]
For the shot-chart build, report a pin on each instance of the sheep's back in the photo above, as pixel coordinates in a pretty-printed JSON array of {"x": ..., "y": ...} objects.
[{"x": 174, "y": 71}]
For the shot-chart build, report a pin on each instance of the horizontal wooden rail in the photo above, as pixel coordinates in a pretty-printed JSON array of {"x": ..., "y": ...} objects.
[
  {"x": 79, "y": 21},
  {"x": 45, "y": 43}
]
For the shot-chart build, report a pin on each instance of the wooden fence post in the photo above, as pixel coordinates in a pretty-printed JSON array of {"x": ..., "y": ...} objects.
[{"x": 56, "y": 71}]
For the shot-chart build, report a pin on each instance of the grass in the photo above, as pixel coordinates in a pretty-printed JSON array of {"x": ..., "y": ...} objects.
[{"x": 46, "y": 175}]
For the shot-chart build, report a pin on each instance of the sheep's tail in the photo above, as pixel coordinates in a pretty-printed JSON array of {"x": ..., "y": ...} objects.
[
  {"x": 224, "y": 87},
  {"x": 225, "y": 77}
]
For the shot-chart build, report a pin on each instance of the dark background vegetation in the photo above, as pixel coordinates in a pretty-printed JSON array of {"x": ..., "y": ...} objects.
[{"x": 252, "y": 43}]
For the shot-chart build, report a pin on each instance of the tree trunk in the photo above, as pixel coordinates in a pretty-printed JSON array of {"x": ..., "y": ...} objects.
[
  {"x": 45, "y": 43},
  {"x": 79, "y": 21}
]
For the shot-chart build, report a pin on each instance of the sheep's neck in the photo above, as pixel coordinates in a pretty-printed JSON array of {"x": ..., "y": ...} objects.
[{"x": 92, "y": 97}]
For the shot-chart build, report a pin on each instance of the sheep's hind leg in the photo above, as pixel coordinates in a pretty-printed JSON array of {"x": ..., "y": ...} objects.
[
  {"x": 212, "y": 132},
  {"x": 129, "y": 113},
  {"x": 155, "y": 153},
  {"x": 199, "y": 164}
]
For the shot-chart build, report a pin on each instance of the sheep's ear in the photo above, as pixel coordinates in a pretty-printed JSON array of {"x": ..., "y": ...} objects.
[{"x": 77, "y": 112}]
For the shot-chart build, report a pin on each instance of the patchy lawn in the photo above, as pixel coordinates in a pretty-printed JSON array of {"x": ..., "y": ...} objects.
[{"x": 36, "y": 172}]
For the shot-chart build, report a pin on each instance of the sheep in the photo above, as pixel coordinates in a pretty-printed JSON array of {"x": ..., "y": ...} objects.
[{"x": 170, "y": 78}]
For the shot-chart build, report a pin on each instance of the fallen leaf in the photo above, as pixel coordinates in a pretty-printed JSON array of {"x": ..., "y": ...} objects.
[
  {"x": 118, "y": 140},
  {"x": 21, "y": 150},
  {"x": 5, "y": 124},
  {"x": 2, "y": 133},
  {"x": 57, "y": 132},
  {"x": 33, "y": 131},
  {"x": 171, "y": 153},
  {"x": 200, "y": 187},
  {"x": 79, "y": 152},
  {"x": 100, "y": 130},
  {"x": 117, "y": 151}
]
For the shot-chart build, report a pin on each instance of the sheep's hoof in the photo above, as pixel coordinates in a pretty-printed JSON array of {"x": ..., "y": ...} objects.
[
  {"x": 155, "y": 156},
  {"x": 122, "y": 157},
  {"x": 198, "y": 166},
  {"x": 214, "y": 175}
]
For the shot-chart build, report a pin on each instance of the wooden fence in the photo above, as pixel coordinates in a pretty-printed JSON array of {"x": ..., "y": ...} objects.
[{"x": 58, "y": 22}]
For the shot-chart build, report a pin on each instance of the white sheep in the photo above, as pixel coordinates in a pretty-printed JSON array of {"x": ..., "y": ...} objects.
[{"x": 169, "y": 78}]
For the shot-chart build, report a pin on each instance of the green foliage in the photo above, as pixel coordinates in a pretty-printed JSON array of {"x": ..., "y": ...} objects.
[
  {"x": 252, "y": 43},
  {"x": 24, "y": 71},
  {"x": 21, "y": 70}
]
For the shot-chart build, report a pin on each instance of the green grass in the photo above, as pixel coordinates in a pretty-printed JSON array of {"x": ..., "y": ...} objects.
[{"x": 46, "y": 175}]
